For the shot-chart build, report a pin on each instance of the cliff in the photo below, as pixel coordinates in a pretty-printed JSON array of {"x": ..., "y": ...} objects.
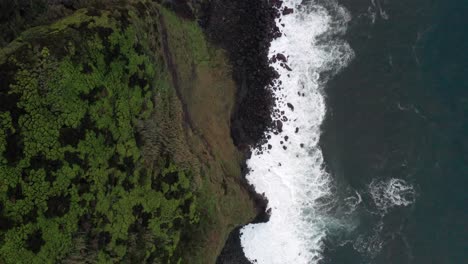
[{"x": 115, "y": 138}]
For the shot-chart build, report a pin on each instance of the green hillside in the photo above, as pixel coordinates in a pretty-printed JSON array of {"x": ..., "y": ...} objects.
[{"x": 115, "y": 141}]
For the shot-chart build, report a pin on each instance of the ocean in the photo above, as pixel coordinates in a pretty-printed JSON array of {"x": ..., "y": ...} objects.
[
  {"x": 396, "y": 132},
  {"x": 371, "y": 162}
]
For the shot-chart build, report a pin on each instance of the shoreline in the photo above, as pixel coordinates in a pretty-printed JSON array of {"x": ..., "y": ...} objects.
[{"x": 245, "y": 30}]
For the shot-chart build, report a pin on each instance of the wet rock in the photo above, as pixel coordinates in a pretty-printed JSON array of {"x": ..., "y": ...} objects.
[
  {"x": 279, "y": 125},
  {"x": 287, "y": 11},
  {"x": 276, "y": 3},
  {"x": 281, "y": 57},
  {"x": 232, "y": 252}
]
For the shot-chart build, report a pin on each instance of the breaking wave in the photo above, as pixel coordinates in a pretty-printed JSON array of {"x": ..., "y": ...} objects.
[{"x": 289, "y": 169}]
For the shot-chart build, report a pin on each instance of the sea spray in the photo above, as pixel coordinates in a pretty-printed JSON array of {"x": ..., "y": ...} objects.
[{"x": 289, "y": 169}]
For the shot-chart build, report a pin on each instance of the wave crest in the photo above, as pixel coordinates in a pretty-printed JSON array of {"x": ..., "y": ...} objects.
[{"x": 289, "y": 169}]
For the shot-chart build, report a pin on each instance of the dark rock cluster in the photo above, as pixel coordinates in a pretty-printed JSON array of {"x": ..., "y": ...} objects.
[
  {"x": 245, "y": 29},
  {"x": 232, "y": 252}
]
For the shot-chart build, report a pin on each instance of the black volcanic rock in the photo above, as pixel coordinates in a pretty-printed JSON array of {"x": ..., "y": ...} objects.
[
  {"x": 281, "y": 57},
  {"x": 245, "y": 29},
  {"x": 287, "y": 11},
  {"x": 232, "y": 252}
]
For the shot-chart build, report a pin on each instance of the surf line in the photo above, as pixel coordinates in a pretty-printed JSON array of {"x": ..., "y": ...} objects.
[{"x": 289, "y": 168}]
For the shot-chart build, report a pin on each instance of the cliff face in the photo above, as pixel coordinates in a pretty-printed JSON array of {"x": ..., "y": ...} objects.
[{"x": 115, "y": 140}]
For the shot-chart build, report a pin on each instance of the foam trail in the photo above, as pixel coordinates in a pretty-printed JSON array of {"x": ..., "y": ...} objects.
[
  {"x": 293, "y": 179},
  {"x": 391, "y": 193}
]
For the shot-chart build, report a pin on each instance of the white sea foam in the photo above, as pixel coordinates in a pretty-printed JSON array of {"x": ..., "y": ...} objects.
[
  {"x": 352, "y": 202},
  {"x": 386, "y": 194},
  {"x": 391, "y": 193},
  {"x": 293, "y": 180},
  {"x": 370, "y": 244}
]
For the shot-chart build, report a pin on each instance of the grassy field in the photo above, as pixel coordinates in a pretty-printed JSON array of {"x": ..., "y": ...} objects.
[{"x": 115, "y": 141}]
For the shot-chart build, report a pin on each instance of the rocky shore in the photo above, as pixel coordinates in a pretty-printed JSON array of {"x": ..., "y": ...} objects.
[{"x": 245, "y": 30}]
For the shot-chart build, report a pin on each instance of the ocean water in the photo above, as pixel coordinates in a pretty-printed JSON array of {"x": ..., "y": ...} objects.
[
  {"x": 395, "y": 137},
  {"x": 371, "y": 165}
]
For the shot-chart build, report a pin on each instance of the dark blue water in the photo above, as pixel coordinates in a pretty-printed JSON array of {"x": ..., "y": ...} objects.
[{"x": 400, "y": 111}]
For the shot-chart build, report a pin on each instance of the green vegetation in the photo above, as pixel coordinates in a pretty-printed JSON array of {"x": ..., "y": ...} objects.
[
  {"x": 114, "y": 141},
  {"x": 72, "y": 169}
]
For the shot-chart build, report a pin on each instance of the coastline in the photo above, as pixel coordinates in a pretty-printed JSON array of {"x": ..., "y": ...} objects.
[
  {"x": 254, "y": 243},
  {"x": 245, "y": 30}
]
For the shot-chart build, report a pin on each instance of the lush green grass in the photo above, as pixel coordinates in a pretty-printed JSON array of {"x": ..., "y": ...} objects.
[{"x": 73, "y": 183}]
